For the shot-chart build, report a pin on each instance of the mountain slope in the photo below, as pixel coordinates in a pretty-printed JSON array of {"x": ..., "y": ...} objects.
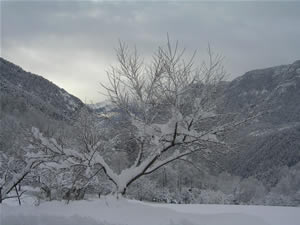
[
  {"x": 275, "y": 89},
  {"x": 37, "y": 92},
  {"x": 273, "y": 140}
]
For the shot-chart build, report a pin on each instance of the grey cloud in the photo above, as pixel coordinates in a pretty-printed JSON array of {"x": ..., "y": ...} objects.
[{"x": 72, "y": 43}]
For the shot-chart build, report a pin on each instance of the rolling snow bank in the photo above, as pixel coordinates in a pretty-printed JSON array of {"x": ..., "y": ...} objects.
[{"x": 110, "y": 211}]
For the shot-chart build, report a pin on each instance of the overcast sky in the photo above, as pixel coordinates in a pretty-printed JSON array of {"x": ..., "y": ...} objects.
[{"x": 72, "y": 43}]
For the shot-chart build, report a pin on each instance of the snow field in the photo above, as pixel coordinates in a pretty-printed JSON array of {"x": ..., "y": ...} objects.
[{"x": 110, "y": 211}]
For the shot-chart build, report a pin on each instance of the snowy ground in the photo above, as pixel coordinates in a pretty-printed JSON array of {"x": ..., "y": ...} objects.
[{"x": 109, "y": 211}]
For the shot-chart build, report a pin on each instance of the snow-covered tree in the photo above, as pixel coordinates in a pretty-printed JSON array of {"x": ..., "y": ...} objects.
[
  {"x": 170, "y": 108},
  {"x": 166, "y": 111},
  {"x": 16, "y": 151},
  {"x": 14, "y": 165},
  {"x": 12, "y": 173}
]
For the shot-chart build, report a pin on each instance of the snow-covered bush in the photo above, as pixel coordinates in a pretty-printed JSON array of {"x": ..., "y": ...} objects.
[
  {"x": 250, "y": 191},
  {"x": 278, "y": 199},
  {"x": 227, "y": 183},
  {"x": 144, "y": 189},
  {"x": 287, "y": 190},
  {"x": 214, "y": 197}
]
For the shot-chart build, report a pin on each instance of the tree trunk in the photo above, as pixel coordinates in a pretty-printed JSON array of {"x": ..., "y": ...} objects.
[
  {"x": 18, "y": 196},
  {"x": 121, "y": 191}
]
